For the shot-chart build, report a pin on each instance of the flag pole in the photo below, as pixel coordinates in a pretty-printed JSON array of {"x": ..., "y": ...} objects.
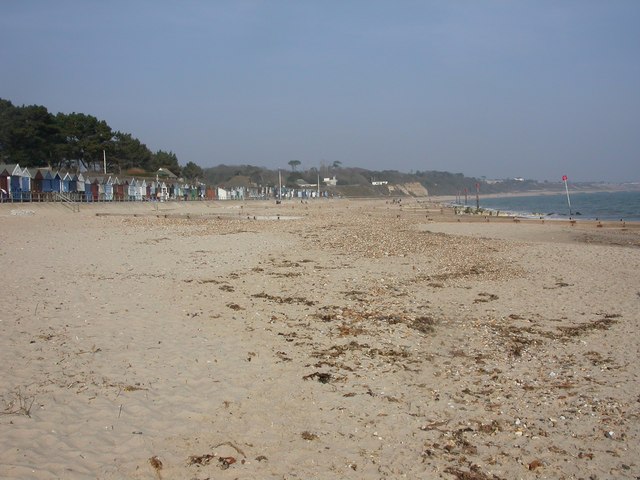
[{"x": 566, "y": 188}]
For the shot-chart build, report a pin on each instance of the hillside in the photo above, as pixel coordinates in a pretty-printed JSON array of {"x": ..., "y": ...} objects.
[{"x": 356, "y": 182}]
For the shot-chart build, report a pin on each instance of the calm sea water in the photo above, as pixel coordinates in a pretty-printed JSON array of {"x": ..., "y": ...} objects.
[{"x": 601, "y": 205}]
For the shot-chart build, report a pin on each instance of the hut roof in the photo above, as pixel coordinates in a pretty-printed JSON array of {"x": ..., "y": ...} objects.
[
  {"x": 163, "y": 172},
  {"x": 10, "y": 169}
]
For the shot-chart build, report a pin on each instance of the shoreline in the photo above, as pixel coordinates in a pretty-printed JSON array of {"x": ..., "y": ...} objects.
[
  {"x": 535, "y": 193},
  {"x": 240, "y": 208},
  {"x": 519, "y": 209}
]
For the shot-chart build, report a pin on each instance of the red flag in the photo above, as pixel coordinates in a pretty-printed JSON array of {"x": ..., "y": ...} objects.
[{"x": 564, "y": 178}]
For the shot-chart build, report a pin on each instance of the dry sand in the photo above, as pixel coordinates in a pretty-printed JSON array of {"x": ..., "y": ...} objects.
[{"x": 346, "y": 339}]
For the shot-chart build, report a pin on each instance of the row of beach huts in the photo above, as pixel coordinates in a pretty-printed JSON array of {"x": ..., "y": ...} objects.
[{"x": 46, "y": 184}]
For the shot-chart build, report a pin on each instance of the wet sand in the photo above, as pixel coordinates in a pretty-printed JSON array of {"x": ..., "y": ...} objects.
[{"x": 346, "y": 339}]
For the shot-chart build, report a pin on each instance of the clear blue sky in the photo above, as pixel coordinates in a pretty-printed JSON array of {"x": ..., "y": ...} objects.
[{"x": 530, "y": 88}]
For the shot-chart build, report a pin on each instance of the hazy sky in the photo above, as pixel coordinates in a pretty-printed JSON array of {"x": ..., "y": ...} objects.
[{"x": 528, "y": 88}]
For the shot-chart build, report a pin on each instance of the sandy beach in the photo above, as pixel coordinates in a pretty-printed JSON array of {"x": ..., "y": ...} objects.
[{"x": 328, "y": 339}]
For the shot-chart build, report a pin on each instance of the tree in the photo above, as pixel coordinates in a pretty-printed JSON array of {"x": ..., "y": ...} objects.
[
  {"x": 85, "y": 139},
  {"x": 294, "y": 164},
  {"x": 28, "y": 135},
  {"x": 167, "y": 160},
  {"x": 32, "y": 136},
  {"x": 6, "y": 112},
  {"x": 192, "y": 172},
  {"x": 337, "y": 164},
  {"x": 128, "y": 152}
]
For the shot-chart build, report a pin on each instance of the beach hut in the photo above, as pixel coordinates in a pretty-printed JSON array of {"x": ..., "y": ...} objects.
[
  {"x": 125, "y": 190},
  {"x": 175, "y": 190},
  {"x": 96, "y": 190},
  {"x": 19, "y": 188},
  {"x": 14, "y": 187},
  {"x": 65, "y": 185},
  {"x": 11, "y": 183},
  {"x": 78, "y": 185},
  {"x": 222, "y": 194},
  {"x": 90, "y": 188},
  {"x": 101, "y": 186},
  {"x": 56, "y": 182},
  {"x": 36, "y": 183},
  {"x": 118, "y": 190},
  {"x": 162, "y": 191},
  {"x": 141, "y": 190},
  {"x": 115, "y": 181},
  {"x": 107, "y": 187},
  {"x": 47, "y": 181},
  {"x": 87, "y": 189},
  {"x": 133, "y": 189},
  {"x": 25, "y": 184},
  {"x": 5, "y": 181}
]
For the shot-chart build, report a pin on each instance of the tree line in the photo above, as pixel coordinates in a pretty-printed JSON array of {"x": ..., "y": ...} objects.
[
  {"x": 436, "y": 182},
  {"x": 34, "y": 137}
]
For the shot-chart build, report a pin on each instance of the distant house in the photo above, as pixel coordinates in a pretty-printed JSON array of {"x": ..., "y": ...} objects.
[
  {"x": 222, "y": 194},
  {"x": 166, "y": 174},
  {"x": 300, "y": 183},
  {"x": 330, "y": 181}
]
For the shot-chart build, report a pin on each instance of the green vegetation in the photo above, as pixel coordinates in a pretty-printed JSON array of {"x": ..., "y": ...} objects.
[
  {"x": 33, "y": 137},
  {"x": 294, "y": 164},
  {"x": 354, "y": 181}
]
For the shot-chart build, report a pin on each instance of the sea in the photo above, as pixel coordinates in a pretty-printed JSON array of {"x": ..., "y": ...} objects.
[{"x": 589, "y": 206}]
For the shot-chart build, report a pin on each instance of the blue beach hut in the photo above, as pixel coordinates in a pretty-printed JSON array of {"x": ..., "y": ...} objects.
[
  {"x": 47, "y": 181},
  {"x": 87, "y": 189},
  {"x": 56, "y": 182},
  {"x": 107, "y": 188},
  {"x": 65, "y": 185}
]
